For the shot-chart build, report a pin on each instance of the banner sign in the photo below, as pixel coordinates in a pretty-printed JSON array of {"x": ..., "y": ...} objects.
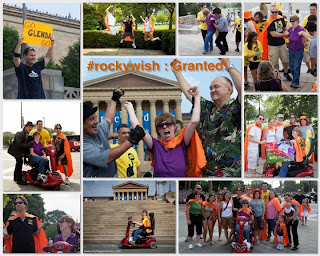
[
  {"x": 37, "y": 33},
  {"x": 279, "y": 152}
]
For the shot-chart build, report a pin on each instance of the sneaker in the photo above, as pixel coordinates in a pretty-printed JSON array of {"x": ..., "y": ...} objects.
[
  {"x": 268, "y": 239},
  {"x": 287, "y": 76},
  {"x": 190, "y": 246},
  {"x": 288, "y": 245},
  {"x": 199, "y": 245},
  {"x": 294, "y": 85},
  {"x": 134, "y": 46},
  {"x": 205, "y": 52},
  {"x": 258, "y": 241},
  {"x": 121, "y": 41},
  {"x": 67, "y": 181},
  {"x": 309, "y": 71},
  {"x": 201, "y": 236},
  {"x": 132, "y": 242},
  {"x": 222, "y": 53},
  {"x": 246, "y": 85},
  {"x": 187, "y": 239},
  {"x": 294, "y": 248},
  {"x": 237, "y": 50},
  {"x": 130, "y": 238}
]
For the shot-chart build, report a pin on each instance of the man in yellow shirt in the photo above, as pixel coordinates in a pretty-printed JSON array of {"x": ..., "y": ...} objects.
[
  {"x": 128, "y": 163},
  {"x": 237, "y": 25},
  {"x": 143, "y": 226},
  {"x": 202, "y": 19},
  {"x": 44, "y": 134},
  {"x": 265, "y": 193}
]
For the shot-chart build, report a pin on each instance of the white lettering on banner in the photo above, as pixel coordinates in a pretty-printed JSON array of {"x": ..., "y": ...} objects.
[
  {"x": 117, "y": 119},
  {"x": 146, "y": 117}
]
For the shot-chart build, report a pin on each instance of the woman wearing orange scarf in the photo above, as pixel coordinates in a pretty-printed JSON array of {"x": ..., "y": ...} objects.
[
  {"x": 273, "y": 210},
  {"x": 292, "y": 222},
  {"x": 148, "y": 29},
  {"x": 246, "y": 212},
  {"x": 299, "y": 148},
  {"x": 63, "y": 154},
  {"x": 209, "y": 212},
  {"x": 258, "y": 207}
]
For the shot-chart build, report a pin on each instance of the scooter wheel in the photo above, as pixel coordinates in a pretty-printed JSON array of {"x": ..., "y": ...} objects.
[
  {"x": 153, "y": 245},
  {"x": 56, "y": 175}
]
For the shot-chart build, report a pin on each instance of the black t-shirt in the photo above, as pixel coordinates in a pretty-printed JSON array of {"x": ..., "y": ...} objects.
[
  {"x": 277, "y": 26},
  {"x": 236, "y": 204},
  {"x": 272, "y": 85},
  {"x": 59, "y": 144},
  {"x": 29, "y": 81},
  {"x": 299, "y": 198},
  {"x": 128, "y": 27},
  {"x": 191, "y": 196},
  {"x": 22, "y": 240},
  {"x": 289, "y": 129}
]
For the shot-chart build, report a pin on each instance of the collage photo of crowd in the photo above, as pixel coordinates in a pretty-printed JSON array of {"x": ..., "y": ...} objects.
[{"x": 175, "y": 127}]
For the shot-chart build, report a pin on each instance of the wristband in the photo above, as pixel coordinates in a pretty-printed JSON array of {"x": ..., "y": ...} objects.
[{"x": 17, "y": 55}]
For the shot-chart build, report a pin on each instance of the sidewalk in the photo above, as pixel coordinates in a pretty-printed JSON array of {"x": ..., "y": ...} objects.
[
  {"x": 308, "y": 238},
  {"x": 121, "y": 52}
]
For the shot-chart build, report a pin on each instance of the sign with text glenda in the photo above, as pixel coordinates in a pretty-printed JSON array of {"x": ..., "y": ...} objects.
[{"x": 37, "y": 33}]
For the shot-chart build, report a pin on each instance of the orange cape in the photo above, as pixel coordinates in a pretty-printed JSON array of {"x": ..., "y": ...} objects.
[
  {"x": 241, "y": 196},
  {"x": 300, "y": 150},
  {"x": 263, "y": 38},
  {"x": 187, "y": 205},
  {"x": 293, "y": 202},
  {"x": 301, "y": 207},
  {"x": 214, "y": 206},
  {"x": 151, "y": 27},
  {"x": 127, "y": 38},
  {"x": 285, "y": 133},
  {"x": 246, "y": 196},
  {"x": 196, "y": 158},
  {"x": 106, "y": 21},
  {"x": 283, "y": 226},
  {"x": 246, "y": 143},
  {"x": 314, "y": 87},
  {"x": 263, "y": 146},
  {"x": 40, "y": 241},
  {"x": 67, "y": 151},
  {"x": 277, "y": 205}
]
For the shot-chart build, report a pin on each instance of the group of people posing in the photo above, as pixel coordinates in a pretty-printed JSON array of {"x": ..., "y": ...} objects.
[
  {"x": 262, "y": 208},
  {"x": 185, "y": 155},
  {"x": 267, "y": 41},
  {"x": 23, "y": 148},
  {"x": 128, "y": 27},
  {"x": 276, "y": 131}
]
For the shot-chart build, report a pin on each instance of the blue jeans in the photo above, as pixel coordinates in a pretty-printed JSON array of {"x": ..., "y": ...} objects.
[
  {"x": 136, "y": 233},
  {"x": 295, "y": 60},
  {"x": 284, "y": 168},
  {"x": 43, "y": 163},
  {"x": 271, "y": 225},
  {"x": 246, "y": 232},
  {"x": 209, "y": 40}
]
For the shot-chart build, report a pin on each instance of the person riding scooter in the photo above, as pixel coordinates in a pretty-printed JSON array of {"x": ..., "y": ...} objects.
[
  {"x": 246, "y": 212},
  {"x": 145, "y": 225}
]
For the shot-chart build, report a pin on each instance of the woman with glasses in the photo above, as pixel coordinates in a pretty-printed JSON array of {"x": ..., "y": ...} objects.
[
  {"x": 296, "y": 49},
  {"x": 38, "y": 155},
  {"x": 247, "y": 193},
  {"x": 258, "y": 208},
  {"x": 226, "y": 215},
  {"x": 237, "y": 201},
  {"x": 245, "y": 211},
  {"x": 67, "y": 227},
  {"x": 269, "y": 135},
  {"x": 169, "y": 154},
  {"x": 194, "y": 219},
  {"x": 63, "y": 154},
  {"x": 209, "y": 212}
]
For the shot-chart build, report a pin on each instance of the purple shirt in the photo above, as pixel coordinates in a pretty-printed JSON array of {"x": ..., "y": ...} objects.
[
  {"x": 169, "y": 162},
  {"x": 72, "y": 239},
  {"x": 296, "y": 43},
  {"x": 209, "y": 22},
  {"x": 37, "y": 148}
]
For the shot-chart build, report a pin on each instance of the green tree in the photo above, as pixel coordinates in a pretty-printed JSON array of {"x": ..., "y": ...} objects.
[
  {"x": 10, "y": 40},
  {"x": 182, "y": 9},
  {"x": 257, "y": 184},
  {"x": 53, "y": 217},
  {"x": 70, "y": 66},
  {"x": 51, "y": 231},
  {"x": 7, "y": 138},
  {"x": 171, "y": 8},
  {"x": 289, "y": 186},
  {"x": 161, "y": 17}
]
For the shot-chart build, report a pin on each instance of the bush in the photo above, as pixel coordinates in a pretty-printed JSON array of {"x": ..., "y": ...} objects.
[{"x": 97, "y": 39}]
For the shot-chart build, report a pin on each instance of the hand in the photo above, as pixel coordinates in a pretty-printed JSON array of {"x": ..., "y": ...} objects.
[
  {"x": 59, "y": 162},
  {"x": 193, "y": 91},
  {"x": 300, "y": 33},
  {"x": 5, "y": 231},
  {"x": 225, "y": 61},
  {"x": 41, "y": 224},
  {"x": 136, "y": 134},
  {"x": 117, "y": 93},
  {"x": 257, "y": 54},
  {"x": 172, "y": 64},
  {"x": 110, "y": 6},
  {"x": 113, "y": 136},
  {"x": 263, "y": 142},
  {"x": 189, "y": 222},
  {"x": 52, "y": 41},
  {"x": 21, "y": 37},
  {"x": 286, "y": 33},
  {"x": 153, "y": 10},
  {"x": 128, "y": 106},
  {"x": 44, "y": 157}
]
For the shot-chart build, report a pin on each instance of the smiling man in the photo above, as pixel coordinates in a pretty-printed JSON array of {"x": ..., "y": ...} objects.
[
  {"x": 98, "y": 157},
  {"x": 220, "y": 121},
  {"x": 29, "y": 72}
]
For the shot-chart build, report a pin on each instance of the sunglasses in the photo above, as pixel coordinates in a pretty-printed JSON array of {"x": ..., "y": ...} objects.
[
  {"x": 239, "y": 190},
  {"x": 248, "y": 189},
  {"x": 220, "y": 194},
  {"x": 19, "y": 202},
  {"x": 168, "y": 124},
  {"x": 292, "y": 21},
  {"x": 58, "y": 128},
  {"x": 292, "y": 117},
  {"x": 244, "y": 203},
  {"x": 261, "y": 119},
  {"x": 64, "y": 220},
  {"x": 275, "y": 12}
]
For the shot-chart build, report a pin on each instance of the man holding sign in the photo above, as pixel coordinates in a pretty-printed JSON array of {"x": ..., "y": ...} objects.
[{"x": 29, "y": 72}]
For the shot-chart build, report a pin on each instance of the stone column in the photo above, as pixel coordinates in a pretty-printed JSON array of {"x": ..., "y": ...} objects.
[
  {"x": 114, "y": 196},
  {"x": 96, "y": 104},
  {"x": 139, "y": 116},
  {"x": 124, "y": 119},
  {"x": 153, "y": 114},
  {"x": 178, "y": 109},
  {"x": 165, "y": 106}
]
